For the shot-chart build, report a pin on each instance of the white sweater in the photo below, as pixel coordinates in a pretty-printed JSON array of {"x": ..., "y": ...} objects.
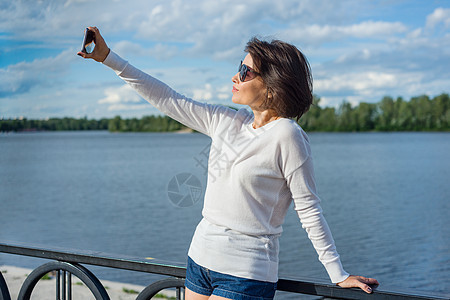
[{"x": 253, "y": 175}]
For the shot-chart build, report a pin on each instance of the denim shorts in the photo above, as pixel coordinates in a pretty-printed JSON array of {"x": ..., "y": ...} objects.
[{"x": 206, "y": 282}]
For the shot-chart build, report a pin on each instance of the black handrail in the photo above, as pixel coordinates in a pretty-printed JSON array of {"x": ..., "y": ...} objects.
[{"x": 155, "y": 266}]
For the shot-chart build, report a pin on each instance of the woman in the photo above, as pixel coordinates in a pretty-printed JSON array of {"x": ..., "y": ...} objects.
[{"x": 258, "y": 164}]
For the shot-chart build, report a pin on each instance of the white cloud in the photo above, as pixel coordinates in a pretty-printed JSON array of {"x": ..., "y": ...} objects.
[
  {"x": 439, "y": 15},
  {"x": 212, "y": 93},
  {"x": 218, "y": 29},
  {"x": 122, "y": 98},
  {"x": 318, "y": 34},
  {"x": 355, "y": 53},
  {"x": 206, "y": 93},
  {"x": 370, "y": 29},
  {"x": 372, "y": 86},
  {"x": 224, "y": 93},
  {"x": 74, "y": 2},
  {"x": 122, "y": 94},
  {"x": 128, "y": 48},
  {"x": 205, "y": 27},
  {"x": 159, "y": 51},
  {"x": 409, "y": 63},
  {"x": 22, "y": 77},
  {"x": 363, "y": 83},
  {"x": 124, "y": 107},
  {"x": 354, "y": 87}
]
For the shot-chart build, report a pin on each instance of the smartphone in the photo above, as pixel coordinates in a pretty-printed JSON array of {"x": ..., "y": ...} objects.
[{"x": 88, "y": 42}]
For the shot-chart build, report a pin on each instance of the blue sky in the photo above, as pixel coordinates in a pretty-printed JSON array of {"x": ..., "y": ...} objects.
[{"x": 358, "y": 50}]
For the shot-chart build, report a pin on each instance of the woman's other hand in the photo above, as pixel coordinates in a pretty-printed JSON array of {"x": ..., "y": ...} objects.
[
  {"x": 101, "y": 50},
  {"x": 358, "y": 281}
]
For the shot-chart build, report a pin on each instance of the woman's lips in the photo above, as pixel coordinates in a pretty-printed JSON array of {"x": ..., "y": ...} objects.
[{"x": 234, "y": 89}]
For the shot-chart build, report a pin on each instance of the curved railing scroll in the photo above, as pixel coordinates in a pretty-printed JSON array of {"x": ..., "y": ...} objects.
[{"x": 4, "y": 292}]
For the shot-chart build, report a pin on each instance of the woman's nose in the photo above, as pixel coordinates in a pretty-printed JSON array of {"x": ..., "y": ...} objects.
[{"x": 235, "y": 78}]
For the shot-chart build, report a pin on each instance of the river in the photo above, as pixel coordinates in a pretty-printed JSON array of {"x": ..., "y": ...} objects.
[{"x": 385, "y": 196}]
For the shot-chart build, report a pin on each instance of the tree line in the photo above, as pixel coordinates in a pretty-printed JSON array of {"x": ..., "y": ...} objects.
[
  {"x": 116, "y": 124},
  {"x": 52, "y": 124},
  {"x": 419, "y": 114}
]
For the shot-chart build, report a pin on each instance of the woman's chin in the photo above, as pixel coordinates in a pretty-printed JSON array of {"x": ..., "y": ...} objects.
[{"x": 235, "y": 101}]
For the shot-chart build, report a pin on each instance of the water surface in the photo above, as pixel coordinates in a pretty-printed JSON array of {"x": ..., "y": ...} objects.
[{"x": 384, "y": 195}]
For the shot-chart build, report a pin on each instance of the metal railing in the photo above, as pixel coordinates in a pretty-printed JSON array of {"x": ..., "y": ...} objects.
[{"x": 67, "y": 263}]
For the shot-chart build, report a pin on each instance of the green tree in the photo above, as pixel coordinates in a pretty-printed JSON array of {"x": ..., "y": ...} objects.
[
  {"x": 114, "y": 124},
  {"x": 327, "y": 120},
  {"x": 365, "y": 115},
  {"x": 405, "y": 115},
  {"x": 422, "y": 114},
  {"x": 441, "y": 112},
  {"x": 387, "y": 114},
  {"x": 345, "y": 120},
  {"x": 309, "y": 120}
]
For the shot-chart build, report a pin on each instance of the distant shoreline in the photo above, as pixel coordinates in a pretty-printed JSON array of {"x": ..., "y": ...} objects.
[
  {"x": 184, "y": 130},
  {"x": 420, "y": 113},
  {"x": 181, "y": 131}
]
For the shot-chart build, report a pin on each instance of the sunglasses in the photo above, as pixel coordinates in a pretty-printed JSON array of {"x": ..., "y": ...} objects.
[{"x": 245, "y": 72}]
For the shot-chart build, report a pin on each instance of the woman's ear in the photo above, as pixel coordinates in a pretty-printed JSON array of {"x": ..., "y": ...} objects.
[{"x": 269, "y": 94}]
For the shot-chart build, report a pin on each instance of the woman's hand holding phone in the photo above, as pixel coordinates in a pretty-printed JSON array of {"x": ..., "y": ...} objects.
[{"x": 100, "y": 51}]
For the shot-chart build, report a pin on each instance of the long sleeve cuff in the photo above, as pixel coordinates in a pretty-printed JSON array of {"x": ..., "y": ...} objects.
[
  {"x": 115, "y": 62},
  {"x": 336, "y": 271}
]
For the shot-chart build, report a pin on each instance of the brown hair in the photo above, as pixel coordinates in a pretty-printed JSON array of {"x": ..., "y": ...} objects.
[{"x": 287, "y": 75}]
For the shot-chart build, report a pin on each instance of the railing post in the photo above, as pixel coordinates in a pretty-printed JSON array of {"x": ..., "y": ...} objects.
[
  {"x": 58, "y": 285},
  {"x": 69, "y": 286}
]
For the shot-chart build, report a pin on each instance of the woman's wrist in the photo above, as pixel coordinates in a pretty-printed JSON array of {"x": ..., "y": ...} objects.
[{"x": 106, "y": 55}]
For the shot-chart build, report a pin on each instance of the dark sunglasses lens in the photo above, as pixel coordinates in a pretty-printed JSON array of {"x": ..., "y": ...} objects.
[{"x": 242, "y": 72}]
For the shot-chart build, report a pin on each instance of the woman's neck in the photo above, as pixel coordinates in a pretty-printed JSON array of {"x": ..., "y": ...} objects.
[{"x": 263, "y": 117}]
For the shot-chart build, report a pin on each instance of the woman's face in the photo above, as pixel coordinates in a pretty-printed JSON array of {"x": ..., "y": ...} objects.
[{"x": 251, "y": 92}]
